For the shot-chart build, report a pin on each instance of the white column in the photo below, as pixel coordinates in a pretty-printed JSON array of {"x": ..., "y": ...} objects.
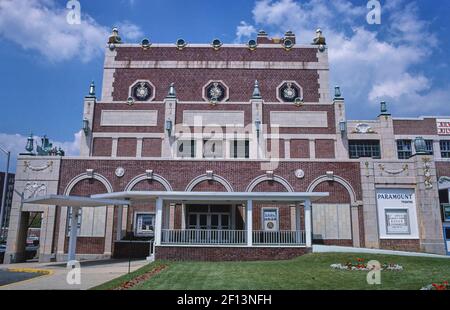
[
  {"x": 249, "y": 221},
  {"x": 158, "y": 220},
  {"x": 308, "y": 224},
  {"x": 119, "y": 223},
  {"x": 73, "y": 234},
  {"x": 297, "y": 217},
  {"x": 312, "y": 148}
]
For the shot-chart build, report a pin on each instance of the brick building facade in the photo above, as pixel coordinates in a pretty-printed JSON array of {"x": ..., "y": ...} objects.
[{"x": 217, "y": 122}]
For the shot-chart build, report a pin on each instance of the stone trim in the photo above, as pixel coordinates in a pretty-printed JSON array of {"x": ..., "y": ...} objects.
[
  {"x": 254, "y": 65},
  {"x": 204, "y": 177},
  {"x": 264, "y": 178},
  {"x": 338, "y": 179},
  {"x": 143, "y": 177}
]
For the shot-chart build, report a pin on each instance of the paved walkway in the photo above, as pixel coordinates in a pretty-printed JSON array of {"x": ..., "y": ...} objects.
[{"x": 92, "y": 274}]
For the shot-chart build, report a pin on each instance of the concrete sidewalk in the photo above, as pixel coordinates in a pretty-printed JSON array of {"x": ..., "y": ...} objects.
[{"x": 92, "y": 274}]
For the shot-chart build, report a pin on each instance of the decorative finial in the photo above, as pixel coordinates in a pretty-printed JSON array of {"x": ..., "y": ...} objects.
[
  {"x": 319, "y": 39},
  {"x": 92, "y": 89},
  {"x": 172, "y": 92},
  {"x": 337, "y": 92},
  {"x": 114, "y": 38},
  {"x": 420, "y": 146},
  {"x": 30, "y": 144},
  {"x": 256, "y": 91}
]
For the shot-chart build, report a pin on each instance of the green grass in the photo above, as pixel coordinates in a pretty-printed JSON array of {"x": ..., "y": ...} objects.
[{"x": 311, "y": 272}]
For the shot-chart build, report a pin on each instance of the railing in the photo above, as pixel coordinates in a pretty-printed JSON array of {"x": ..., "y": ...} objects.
[
  {"x": 231, "y": 237},
  {"x": 203, "y": 236},
  {"x": 282, "y": 237}
]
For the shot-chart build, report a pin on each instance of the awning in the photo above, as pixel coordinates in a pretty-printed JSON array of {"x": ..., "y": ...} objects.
[
  {"x": 138, "y": 196},
  {"x": 75, "y": 201}
]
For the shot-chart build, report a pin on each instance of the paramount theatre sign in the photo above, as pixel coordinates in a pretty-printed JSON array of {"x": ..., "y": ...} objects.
[{"x": 443, "y": 127}]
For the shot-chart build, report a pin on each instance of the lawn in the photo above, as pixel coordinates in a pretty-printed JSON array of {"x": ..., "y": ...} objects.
[{"x": 308, "y": 272}]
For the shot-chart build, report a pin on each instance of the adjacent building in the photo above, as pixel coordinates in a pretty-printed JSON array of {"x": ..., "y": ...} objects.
[
  {"x": 8, "y": 201},
  {"x": 233, "y": 152}
]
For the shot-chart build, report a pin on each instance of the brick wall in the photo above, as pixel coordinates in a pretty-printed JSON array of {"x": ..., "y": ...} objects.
[
  {"x": 338, "y": 193},
  {"x": 300, "y": 148},
  {"x": 126, "y": 147},
  {"x": 102, "y": 147},
  {"x": 227, "y": 254},
  {"x": 189, "y": 82},
  {"x": 426, "y": 126},
  {"x": 400, "y": 245},
  {"x": 179, "y": 173},
  {"x": 87, "y": 245},
  {"x": 209, "y": 54},
  {"x": 151, "y": 147},
  {"x": 325, "y": 149}
]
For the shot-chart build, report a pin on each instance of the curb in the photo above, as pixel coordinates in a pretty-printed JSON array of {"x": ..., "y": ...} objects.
[{"x": 45, "y": 273}]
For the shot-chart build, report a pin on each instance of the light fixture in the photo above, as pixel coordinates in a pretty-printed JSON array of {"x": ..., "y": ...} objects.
[
  {"x": 258, "y": 127},
  {"x": 86, "y": 126},
  {"x": 145, "y": 44},
  {"x": 92, "y": 89},
  {"x": 343, "y": 126},
  {"x": 169, "y": 127},
  {"x": 252, "y": 45},
  {"x": 181, "y": 44},
  {"x": 337, "y": 92},
  {"x": 420, "y": 146},
  {"x": 299, "y": 101},
  {"x": 216, "y": 44},
  {"x": 288, "y": 44},
  {"x": 383, "y": 108},
  {"x": 130, "y": 101}
]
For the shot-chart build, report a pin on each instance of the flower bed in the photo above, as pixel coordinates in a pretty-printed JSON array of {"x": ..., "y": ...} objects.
[
  {"x": 436, "y": 287},
  {"x": 142, "y": 278},
  {"x": 361, "y": 265}
]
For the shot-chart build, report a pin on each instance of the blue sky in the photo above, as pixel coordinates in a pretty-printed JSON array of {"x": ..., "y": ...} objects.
[{"x": 46, "y": 65}]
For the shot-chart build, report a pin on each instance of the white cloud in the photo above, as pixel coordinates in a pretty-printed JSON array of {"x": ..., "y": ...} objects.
[
  {"x": 41, "y": 25},
  {"x": 15, "y": 143},
  {"x": 370, "y": 63},
  {"x": 130, "y": 31},
  {"x": 244, "y": 30}
]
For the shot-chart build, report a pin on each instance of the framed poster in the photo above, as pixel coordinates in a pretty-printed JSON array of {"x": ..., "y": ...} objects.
[
  {"x": 397, "y": 213},
  {"x": 397, "y": 222},
  {"x": 446, "y": 212}
]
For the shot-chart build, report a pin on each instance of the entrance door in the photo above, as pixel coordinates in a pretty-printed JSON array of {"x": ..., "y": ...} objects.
[{"x": 210, "y": 221}]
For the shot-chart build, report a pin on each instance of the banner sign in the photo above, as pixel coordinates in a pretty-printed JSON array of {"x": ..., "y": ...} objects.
[
  {"x": 443, "y": 127},
  {"x": 395, "y": 206}
]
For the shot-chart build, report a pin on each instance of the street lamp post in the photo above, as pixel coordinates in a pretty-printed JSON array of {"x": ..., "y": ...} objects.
[{"x": 5, "y": 187}]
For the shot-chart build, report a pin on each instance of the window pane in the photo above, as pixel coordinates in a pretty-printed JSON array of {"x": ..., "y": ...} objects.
[{"x": 364, "y": 148}]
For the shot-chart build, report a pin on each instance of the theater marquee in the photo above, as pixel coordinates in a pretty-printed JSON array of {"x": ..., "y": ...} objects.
[{"x": 443, "y": 127}]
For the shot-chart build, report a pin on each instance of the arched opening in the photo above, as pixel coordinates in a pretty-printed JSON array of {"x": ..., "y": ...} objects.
[
  {"x": 91, "y": 220},
  {"x": 332, "y": 215},
  {"x": 279, "y": 213}
]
